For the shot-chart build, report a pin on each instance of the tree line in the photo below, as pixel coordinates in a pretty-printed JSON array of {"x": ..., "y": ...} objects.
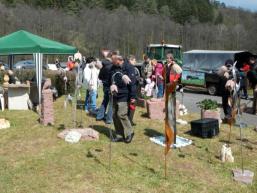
[
  {"x": 129, "y": 25},
  {"x": 180, "y": 11}
]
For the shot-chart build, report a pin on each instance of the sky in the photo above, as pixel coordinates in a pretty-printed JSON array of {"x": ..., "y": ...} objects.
[{"x": 246, "y": 4}]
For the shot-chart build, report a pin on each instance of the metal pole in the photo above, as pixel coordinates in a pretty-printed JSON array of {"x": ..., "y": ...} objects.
[
  {"x": 175, "y": 115},
  {"x": 110, "y": 134},
  {"x": 165, "y": 164},
  {"x": 75, "y": 110},
  {"x": 111, "y": 127},
  {"x": 241, "y": 127},
  {"x": 65, "y": 89},
  {"x": 242, "y": 159},
  {"x": 66, "y": 96},
  {"x": 76, "y": 99},
  {"x": 80, "y": 125},
  {"x": 182, "y": 95}
]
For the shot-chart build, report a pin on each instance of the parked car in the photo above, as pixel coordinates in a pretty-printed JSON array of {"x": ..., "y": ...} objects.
[
  {"x": 50, "y": 67},
  {"x": 63, "y": 65},
  {"x": 200, "y": 67},
  {"x": 24, "y": 64},
  {"x": 6, "y": 66}
]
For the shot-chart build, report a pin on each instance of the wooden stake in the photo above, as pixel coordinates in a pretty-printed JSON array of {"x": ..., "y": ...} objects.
[
  {"x": 229, "y": 135},
  {"x": 165, "y": 165},
  {"x": 110, "y": 150}
]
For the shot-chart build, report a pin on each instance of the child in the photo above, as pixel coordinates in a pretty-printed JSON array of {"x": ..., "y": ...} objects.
[
  {"x": 158, "y": 77},
  {"x": 91, "y": 73},
  {"x": 149, "y": 87}
]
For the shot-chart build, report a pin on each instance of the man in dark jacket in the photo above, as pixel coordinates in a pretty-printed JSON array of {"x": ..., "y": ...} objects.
[
  {"x": 123, "y": 88},
  {"x": 139, "y": 84},
  {"x": 104, "y": 77},
  {"x": 225, "y": 74},
  {"x": 252, "y": 74}
]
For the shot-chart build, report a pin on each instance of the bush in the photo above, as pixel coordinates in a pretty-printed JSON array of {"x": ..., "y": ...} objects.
[
  {"x": 208, "y": 104},
  {"x": 57, "y": 78}
]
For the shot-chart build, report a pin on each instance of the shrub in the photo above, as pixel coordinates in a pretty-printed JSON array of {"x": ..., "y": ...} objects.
[
  {"x": 57, "y": 78},
  {"x": 208, "y": 104}
]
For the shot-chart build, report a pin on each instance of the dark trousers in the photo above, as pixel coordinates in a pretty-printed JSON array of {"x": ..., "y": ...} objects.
[
  {"x": 244, "y": 89},
  {"x": 243, "y": 86},
  {"x": 104, "y": 108},
  {"x": 160, "y": 90},
  {"x": 226, "y": 108},
  {"x": 131, "y": 115},
  {"x": 121, "y": 120}
]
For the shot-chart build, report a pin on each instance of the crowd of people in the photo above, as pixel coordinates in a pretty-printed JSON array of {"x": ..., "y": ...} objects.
[
  {"x": 122, "y": 84},
  {"x": 244, "y": 76}
]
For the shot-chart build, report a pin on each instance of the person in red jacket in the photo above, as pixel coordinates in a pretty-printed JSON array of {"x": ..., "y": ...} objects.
[
  {"x": 243, "y": 79},
  {"x": 246, "y": 67},
  {"x": 70, "y": 63}
]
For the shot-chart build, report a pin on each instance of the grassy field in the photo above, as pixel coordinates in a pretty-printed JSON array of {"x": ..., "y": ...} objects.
[{"x": 34, "y": 160}]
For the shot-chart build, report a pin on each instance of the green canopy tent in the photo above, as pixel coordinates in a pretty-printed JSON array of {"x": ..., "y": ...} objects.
[{"x": 23, "y": 42}]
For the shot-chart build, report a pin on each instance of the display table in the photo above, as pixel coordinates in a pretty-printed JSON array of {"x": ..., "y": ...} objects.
[{"x": 18, "y": 96}]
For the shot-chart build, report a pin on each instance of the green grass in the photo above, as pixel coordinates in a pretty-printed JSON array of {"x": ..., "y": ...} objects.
[{"x": 34, "y": 160}]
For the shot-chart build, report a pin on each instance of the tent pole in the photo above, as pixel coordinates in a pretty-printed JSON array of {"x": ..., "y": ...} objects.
[
  {"x": 46, "y": 59},
  {"x": 11, "y": 61}
]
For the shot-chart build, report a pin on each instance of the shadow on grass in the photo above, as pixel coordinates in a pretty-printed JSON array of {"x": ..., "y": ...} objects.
[
  {"x": 188, "y": 133},
  {"x": 61, "y": 127},
  {"x": 226, "y": 141},
  {"x": 145, "y": 115},
  {"x": 80, "y": 104},
  {"x": 139, "y": 164},
  {"x": 247, "y": 143},
  {"x": 103, "y": 130},
  {"x": 91, "y": 155},
  {"x": 152, "y": 133}
]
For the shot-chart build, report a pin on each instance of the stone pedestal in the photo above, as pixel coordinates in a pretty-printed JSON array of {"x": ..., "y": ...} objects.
[
  {"x": 18, "y": 96},
  {"x": 156, "y": 109},
  {"x": 47, "y": 110},
  {"x": 87, "y": 134},
  {"x": 141, "y": 102},
  {"x": 243, "y": 176},
  {"x": 211, "y": 114}
]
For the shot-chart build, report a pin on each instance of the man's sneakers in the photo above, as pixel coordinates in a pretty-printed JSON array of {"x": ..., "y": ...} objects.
[
  {"x": 108, "y": 122},
  {"x": 117, "y": 139},
  {"x": 129, "y": 138}
]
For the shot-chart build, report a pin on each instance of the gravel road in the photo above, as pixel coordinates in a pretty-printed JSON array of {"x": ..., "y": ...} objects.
[{"x": 191, "y": 98}]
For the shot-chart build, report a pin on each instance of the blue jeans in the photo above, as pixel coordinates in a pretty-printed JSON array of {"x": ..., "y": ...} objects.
[
  {"x": 105, "y": 108},
  {"x": 160, "y": 90},
  {"x": 90, "y": 101}
]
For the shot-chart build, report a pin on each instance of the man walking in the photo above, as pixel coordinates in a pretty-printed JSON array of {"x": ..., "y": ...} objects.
[{"x": 123, "y": 88}]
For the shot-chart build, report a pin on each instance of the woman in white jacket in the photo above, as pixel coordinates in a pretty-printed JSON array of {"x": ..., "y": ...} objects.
[{"x": 91, "y": 73}]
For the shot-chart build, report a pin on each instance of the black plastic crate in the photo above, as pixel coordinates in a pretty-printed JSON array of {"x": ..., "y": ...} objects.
[{"x": 205, "y": 128}]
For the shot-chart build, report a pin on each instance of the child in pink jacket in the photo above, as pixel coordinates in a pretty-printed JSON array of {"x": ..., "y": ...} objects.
[{"x": 158, "y": 77}]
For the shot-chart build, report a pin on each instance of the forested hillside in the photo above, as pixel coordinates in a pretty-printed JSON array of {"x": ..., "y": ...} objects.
[{"x": 129, "y": 25}]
